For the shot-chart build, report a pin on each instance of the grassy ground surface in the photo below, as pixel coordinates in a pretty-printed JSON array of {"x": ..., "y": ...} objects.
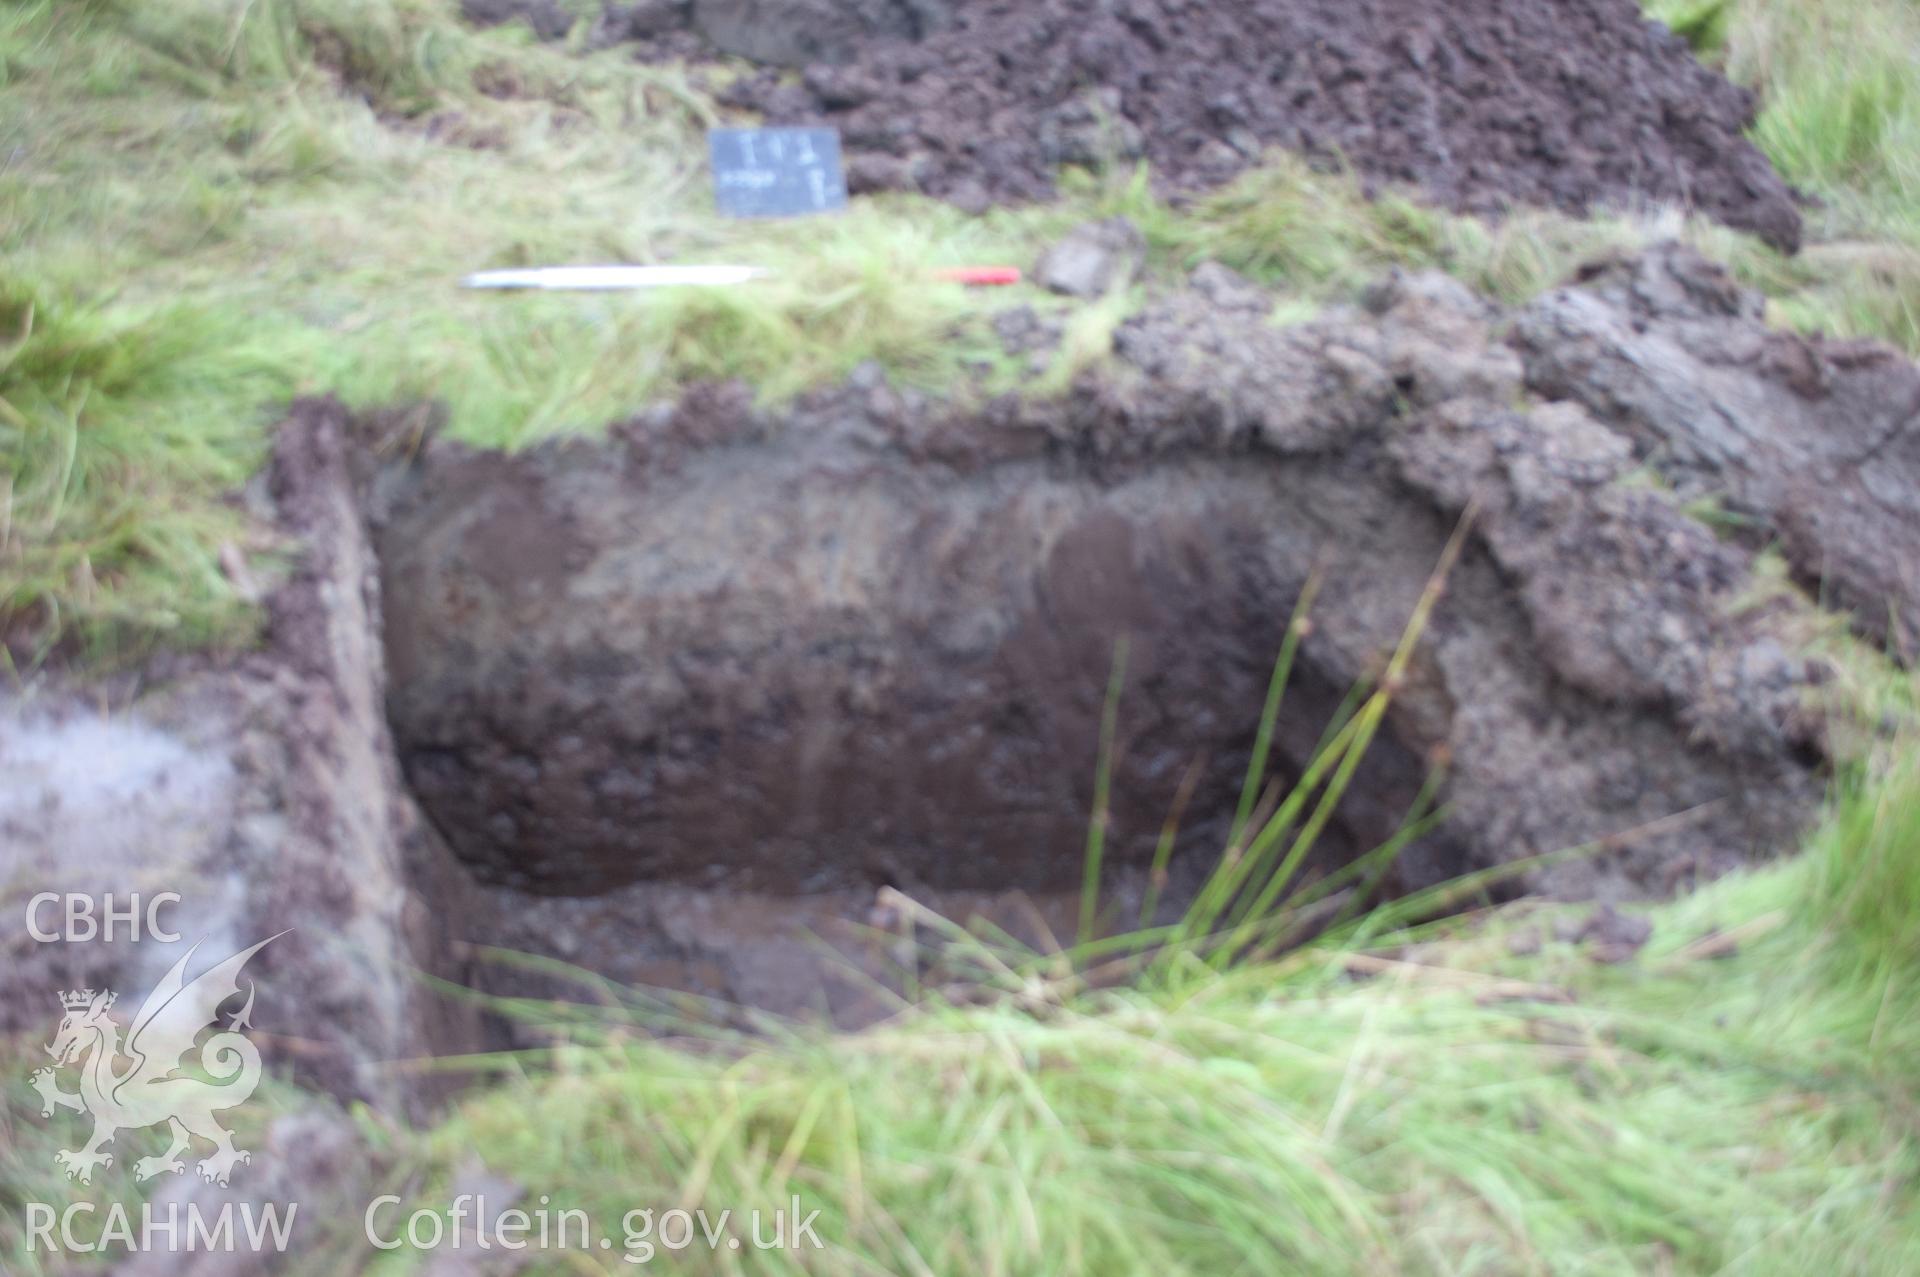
[
  {"x": 209, "y": 205},
  {"x": 1492, "y": 1093},
  {"x": 1496, "y": 1092},
  {"x": 1736, "y": 1099}
]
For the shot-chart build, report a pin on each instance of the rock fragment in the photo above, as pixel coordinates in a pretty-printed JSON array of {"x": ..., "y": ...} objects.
[{"x": 1094, "y": 259}]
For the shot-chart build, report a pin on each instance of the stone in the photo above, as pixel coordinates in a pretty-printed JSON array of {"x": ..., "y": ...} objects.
[{"x": 1093, "y": 259}]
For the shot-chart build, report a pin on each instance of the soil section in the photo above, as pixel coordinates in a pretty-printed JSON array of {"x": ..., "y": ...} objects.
[
  {"x": 264, "y": 791},
  {"x": 802, "y": 657}
]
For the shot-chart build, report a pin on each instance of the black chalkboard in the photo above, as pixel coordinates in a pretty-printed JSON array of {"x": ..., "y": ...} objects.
[{"x": 776, "y": 172}]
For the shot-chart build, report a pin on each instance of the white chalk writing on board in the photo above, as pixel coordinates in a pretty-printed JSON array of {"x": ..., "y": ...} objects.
[{"x": 776, "y": 172}]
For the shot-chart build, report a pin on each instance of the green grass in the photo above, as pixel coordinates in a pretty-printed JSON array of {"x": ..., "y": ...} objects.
[
  {"x": 1476, "y": 1094},
  {"x": 1864, "y": 879},
  {"x": 1840, "y": 104},
  {"x": 1840, "y": 116},
  {"x": 1471, "y": 1096},
  {"x": 99, "y": 412}
]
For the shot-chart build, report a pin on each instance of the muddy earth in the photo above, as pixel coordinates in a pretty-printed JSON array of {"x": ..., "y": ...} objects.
[
  {"x": 1580, "y": 105},
  {"x": 685, "y": 706}
]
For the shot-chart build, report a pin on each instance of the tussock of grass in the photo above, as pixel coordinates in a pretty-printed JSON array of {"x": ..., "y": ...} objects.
[
  {"x": 1731, "y": 1100},
  {"x": 1864, "y": 882},
  {"x": 1284, "y": 222},
  {"x": 1469, "y": 1095},
  {"x": 1853, "y": 288},
  {"x": 1839, "y": 98},
  {"x": 100, "y": 413}
]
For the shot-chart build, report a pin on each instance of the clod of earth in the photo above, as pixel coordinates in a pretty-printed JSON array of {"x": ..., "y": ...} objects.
[
  {"x": 1815, "y": 444},
  {"x": 1481, "y": 103}
]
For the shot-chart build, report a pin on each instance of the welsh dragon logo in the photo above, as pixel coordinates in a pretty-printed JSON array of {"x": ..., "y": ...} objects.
[{"x": 150, "y": 1088}]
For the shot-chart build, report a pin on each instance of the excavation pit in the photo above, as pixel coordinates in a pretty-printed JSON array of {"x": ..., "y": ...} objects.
[
  {"x": 791, "y": 666},
  {"x": 681, "y": 696},
  {"x": 666, "y": 700},
  {"x": 686, "y": 704}
]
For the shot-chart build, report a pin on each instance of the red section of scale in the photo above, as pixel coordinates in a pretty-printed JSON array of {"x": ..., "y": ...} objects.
[{"x": 979, "y": 276}]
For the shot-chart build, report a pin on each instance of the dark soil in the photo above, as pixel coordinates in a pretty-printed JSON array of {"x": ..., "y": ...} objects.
[
  {"x": 1573, "y": 104},
  {"x": 1576, "y": 104}
]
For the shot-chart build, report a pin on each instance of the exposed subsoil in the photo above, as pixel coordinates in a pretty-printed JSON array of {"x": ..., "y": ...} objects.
[{"x": 1576, "y": 104}]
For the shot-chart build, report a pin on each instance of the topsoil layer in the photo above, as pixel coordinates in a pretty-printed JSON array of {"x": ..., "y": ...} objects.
[{"x": 1573, "y": 104}]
